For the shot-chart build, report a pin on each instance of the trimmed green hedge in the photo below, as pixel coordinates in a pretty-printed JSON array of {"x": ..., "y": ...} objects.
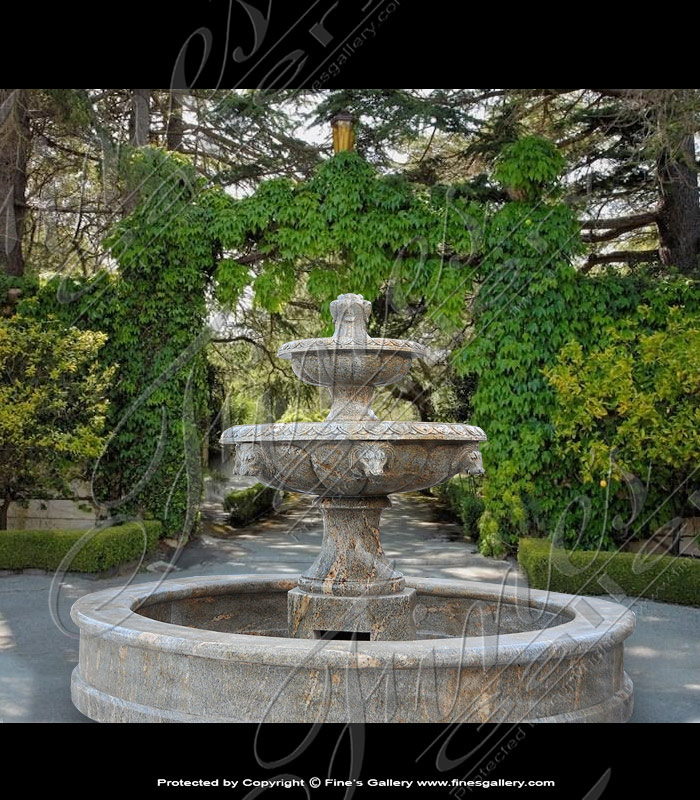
[
  {"x": 246, "y": 505},
  {"x": 101, "y": 550},
  {"x": 463, "y": 503},
  {"x": 669, "y": 579}
]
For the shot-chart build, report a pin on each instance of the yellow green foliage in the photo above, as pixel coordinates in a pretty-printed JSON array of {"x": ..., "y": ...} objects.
[
  {"x": 628, "y": 410},
  {"x": 52, "y": 404}
]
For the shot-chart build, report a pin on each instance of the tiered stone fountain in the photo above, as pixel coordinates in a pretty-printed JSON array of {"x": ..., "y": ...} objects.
[
  {"x": 351, "y": 639},
  {"x": 353, "y": 461}
]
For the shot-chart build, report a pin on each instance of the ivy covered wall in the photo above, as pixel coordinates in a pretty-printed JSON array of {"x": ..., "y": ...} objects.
[{"x": 153, "y": 310}]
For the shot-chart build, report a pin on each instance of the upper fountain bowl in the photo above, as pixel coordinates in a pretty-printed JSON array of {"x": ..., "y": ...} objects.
[
  {"x": 328, "y": 362},
  {"x": 351, "y": 363}
]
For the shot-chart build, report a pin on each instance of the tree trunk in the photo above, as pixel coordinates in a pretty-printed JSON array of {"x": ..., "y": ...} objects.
[
  {"x": 679, "y": 210},
  {"x": 413, "y": 392},
  {"x": 675, "y": 112},
  {"x": 14, "y": 152},
  {"x": 4, "y": 508},
  {"x": 139, "y": 135},
  {"x": 140, "y": 120},
  {"x": 175, "y": 127}
]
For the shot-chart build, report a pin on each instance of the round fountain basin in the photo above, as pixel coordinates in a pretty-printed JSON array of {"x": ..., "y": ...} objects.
[{"x": 215, "y": 649}]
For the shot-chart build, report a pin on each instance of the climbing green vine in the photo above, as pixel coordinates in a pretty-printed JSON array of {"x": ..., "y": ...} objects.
[
  {"x": 495, "y": 283},
  {"x": 154, "y": 313},
  {"x": 535, "y": 310},
  {"x": 348, "y": 228}
]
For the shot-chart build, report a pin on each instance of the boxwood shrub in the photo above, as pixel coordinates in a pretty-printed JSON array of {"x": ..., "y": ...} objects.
[
  {"x": 101, "y": 549},
  {"x": 246, "y": 505},
  {"x": 670, "y": 579}
]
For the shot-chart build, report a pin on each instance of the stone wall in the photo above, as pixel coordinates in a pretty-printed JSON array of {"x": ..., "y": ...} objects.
[
  {"x": 662, "y": 542},
  {"x": 50, "y": 515}
]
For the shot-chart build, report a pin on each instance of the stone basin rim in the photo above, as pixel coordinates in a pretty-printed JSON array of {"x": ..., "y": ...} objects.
[
  {"x": 105, "y": 613},
  {"x": 357, "y": 346},
  {"x": 353, "y": 430}
]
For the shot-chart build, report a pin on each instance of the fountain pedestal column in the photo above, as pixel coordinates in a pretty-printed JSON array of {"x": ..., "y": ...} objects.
[{"x": 352, "y": 590}]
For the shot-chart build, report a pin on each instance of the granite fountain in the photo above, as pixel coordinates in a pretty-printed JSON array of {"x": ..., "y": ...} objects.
[{"x": 350, "y": 639}]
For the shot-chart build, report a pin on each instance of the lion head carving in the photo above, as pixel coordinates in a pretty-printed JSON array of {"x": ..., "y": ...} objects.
[
  {"x": 369, "y": 459},
  {"x": 248, "y": 461},
  {"x": 471, "y": 463}
]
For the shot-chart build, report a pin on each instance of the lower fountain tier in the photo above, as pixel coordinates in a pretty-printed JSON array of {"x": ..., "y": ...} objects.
[
  {"x": 353, "y": 458},
  {"x": 215, "y": 649}
]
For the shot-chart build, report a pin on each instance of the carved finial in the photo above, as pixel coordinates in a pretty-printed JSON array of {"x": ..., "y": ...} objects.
[{"x": 351, "y": 314}]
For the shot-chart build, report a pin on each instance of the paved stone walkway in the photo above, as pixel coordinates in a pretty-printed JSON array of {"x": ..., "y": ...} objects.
[
  {"x": 412, "y": 534},
  {"x": 39, "y": 646}
]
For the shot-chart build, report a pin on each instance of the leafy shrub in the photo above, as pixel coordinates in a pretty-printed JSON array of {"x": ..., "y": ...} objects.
[
  {"x": 296, "y": 414},
  {"x": 246, "y": 505},
  {"x": 528, "y": 166},
  {"x": 471, "y": 508},
  {"x": 490, "y": 540},
  {"x": 102, "y": 549},
  {"x": 461, "y": 498},
  {"x": 628, "y": 411},
  {"x": 666, "y": 578},
  {"x": 531, "y": 305},
  {"x": 52, "y": 405}
]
